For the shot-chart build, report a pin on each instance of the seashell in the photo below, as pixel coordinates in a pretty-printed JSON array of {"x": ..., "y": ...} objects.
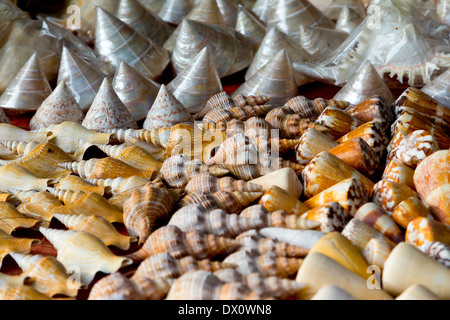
[
  {"x": 331, "y": 217},
  {"x": 349, "y": 193},
  {"x": 253, "y": 241},
  {"x": 409, "y": 209},
  {"x": 105, "y": 168},
  {"x": 376, "y": 217},
  {"x": 374, "y": 108},
  {"x": 388, "y": 194},
  {"x": 242, "y": 101},
  {"x": 155, "y": 289},
  {"x": 82, "y": 78},
  {"x": 288, "y": 15},
  {"x": 312, "y": 142},
  {"x": 398, "y": 172},
  {"x": 28, "y": 90},
  {"x": 438, "y": 89},
  {"x": 146, "y": 206},
  {"x": 10, "y": 244},
  {"x": 300, "y": 238},
  {"x": 173, "y": 11},
  {"x": 207, "y": 182},
  {"x": 231, "y": 202},
  {"x": 285, "y": 178},
  {"x": 319, "y": 42},
  {"x": 409, "y": 121},
  {"x": 97, "y": 226},
  {"x": 417, "y": 292},
  {"x": 39, "y": 205},
  {"x": 11, "y": 12},
  {"x": 162, "y": 265},
  {"x": 340, "y": 249},
  {"x": 119, "y": 185},
  {"x": 358, "y": 154},
  {"x": 371, "y": 132},
  {"x": 15, "y": 177},
  {"x": 204, "y": 285},
  {"x": 422, "y": 230},
  {"x": 250, "y": 27},
  {"x": 335, "y": 8},
  {"x": 135, "y": 91},
  {"x": 276, "y": 198},
  {"x": 275, "y": 79},
  {"x": 266, "y": 264},
  {"x": 360, "y": 233},
  {"x": 377, "y": 251},
  {"x": 319, "y": 270},
  {"x": 180, "y": 244},
  {"x": 145, "y": 21},
  {"x": 115, "y": 286},
  {"x": 11, "y": 219},
  {"x": 8, "y": 282},
  {"x": 332, "y": 292},
  {"x": 230, "y": 50},
  {"x": 217, "y": 222},
  {"x": 47, "y": 275},
  {"x": 276, "y": 287},
  {"x": 196, "y": 83},
  {"x": 10, "y": 198},
  {"x": 85, "y": 252},
  {"x": 23, "y": 292},
  {"x": 338, "y": 122},
  {"x": 421, "y": 270},
  {"x": 220, "y": 100},
  {"x": 438, "y": 251},
  {"x": 108, "y": 111},
  {"x": 75, "y": 183},
  {"x": 12, "y": 133},
  {"x": 60, "y": 106},
  {"x": 318, "y": 177},
  {"x": 348, "y": 20},
  {"x": 312, "y": 109},
  {"x": 91, "y": 203},
  {"x": 140, "y": 52}
]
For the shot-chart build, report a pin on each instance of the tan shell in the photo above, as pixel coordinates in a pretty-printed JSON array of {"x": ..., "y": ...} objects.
[
  {"x": 14, "y": 177},
  {"x": 115, "y": 286},
  {"x": 377, "y": 251},
  {"x": 11, "y": 219},
  {"x": 312, "y": 142},
  {"x": 409, "y": 209},
  {"x": 10, "y": 244},
  {"x": 209, "y": 183},
  {"x": 275, "y": 198},
  {"x": 119, "y": 185},
  {"x": 39, "y": 205},
  {"x": 422, "y": 230},
  {"x": 374, "y": 108},
  {"x": 330, "y": 217},
  {"x": 399, "y": 172},
  {"x": 360, "y": 233},
  {"x": 415, "y": 147},
  {"x": 312, "y": 109},
  {"x": 388, "y": 194},
  {"x": 220, "y": 100},
  {"x": 338, "y": 122},
  {"x": 75, "y": 183}
]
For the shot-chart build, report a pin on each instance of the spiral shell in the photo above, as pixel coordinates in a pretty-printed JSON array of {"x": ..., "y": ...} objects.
[
  {"x": 415, "y": 147},
  {"x": 329, "y": 217},
  {"x": 220, "y": 100},
  {"x": 10, "y": 244},
  {"x": 311, "y": 109},
  {"x": 209, "y": 183},
  {"x": 11, "y": 219},
  {"x": 438, "y": 251},
  {"x": 115, "y": 286}
]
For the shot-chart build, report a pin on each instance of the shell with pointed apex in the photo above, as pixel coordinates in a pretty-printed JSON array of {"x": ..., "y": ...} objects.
[
  {"x": 360, "y": 233},
  {"x": 289, "y": 14},
  {"x": 312, "y": 109},
  {"x": 39, "y": 205},
  {"x": 28, "y": 90},
  {"x": 217, "y": 222},
  {"x": 348, "y": 20},
  {"x": 11, "y": 219},
  {"x": 275, "y": 198},
  {"x": 85, "y": 251},
  {"x": 422, "y": 230},
  {"x": 276, "y": 287},
  {"x": 335, "y": 8},
  {"x": 198, "y": 82},
  {"x": 209, "y": 183},
  {"x": 242, "y": 101},
  {"x": 231, "y": 202},
  {"x": 60, "y": 106},
  {"x": 119, "y": 185},
  {"x": 10, "y": 244},
  {"x": 15, "y": 177},
  {"x": 338, "y": 122},
  {"x": 116, "y": 41},
  {"x": 373, "y": 215},
  {"x": 388, "y": 194},
  {"x": 135, "y": 91},
  {"x": 173, "y": 11},
  {"x": 97, "y": 226},
  {"x": 115, "y": 286},
  {"x": 230, "y": 50},
  {"x": 108, "y": 111},
  {"x": 105, "y": 168},
  {"x": 266, "y": 264},
  {"x": 229, "y": 11},
  {"x": 330, "y": 217},
  {"x": 312, "y": 142},
  {"x": 81, "y": 78},
  {"x": 21, "y": 148},
  {"x": 409, "y": 209},
  {"x": 147, "y": 206},
  {"x": 166, "y": 111},
  {"x": 221, "y": 100},
  {"x": 438, "y": 251},
  {"x": 133, "y": 13},
  {"x": 204, "y": 285},
  {"x": 162, "y": 265},
  {"x": 320, "y": 42},
  {"x": 374, "y": 108},
  {"x": 47, "y": 275},
  {"x": 275, "y": 79},
  {"x": 179, "y": 244},
  {"x": 75, "y": 183},
  {"x": 279, "y": 219},
  {"x": 250, "y": 27},
  {"x": 154, "y": 289},
  {"x": 438, "y": 88}
]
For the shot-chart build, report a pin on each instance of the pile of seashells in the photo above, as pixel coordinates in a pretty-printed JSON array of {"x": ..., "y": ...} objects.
[{"x": 182, "y": 191}]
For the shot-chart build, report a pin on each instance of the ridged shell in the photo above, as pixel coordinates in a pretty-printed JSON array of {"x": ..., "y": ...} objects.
[
  {"x": 14, "y": 177},
  {"x": 330, "y": 217},
  {"x": 10, "y": 244},
  {"x": 250, "y": 26},
  {"x": 75, "y": 183},
  {"x": 221, "y": 100},
  {"x": 115, "y": 286},
  {"x": 173, "y": 11},
  {"x": 209, "y": 183},
  {"x": 38, "y": 205},
  {"x": 312, "y": 109},
  {"x": 438, "y": 251},
  {"x": 119, "y": 185},
  {"x": 11, "y": 219}
]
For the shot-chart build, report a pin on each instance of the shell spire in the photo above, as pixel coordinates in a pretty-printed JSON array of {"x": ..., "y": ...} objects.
[
  {"x": 198, "y": 82},
  {"x": 108, "y": 111},
  {"x": 210, "y": 183},
  {"x": 348, "y": 20},
  {"x": 336, "y": 6},
  {"x": 60, "y": 106},
  {"x": 173, "y": 11},
  {"x": 250, "y": 26}
]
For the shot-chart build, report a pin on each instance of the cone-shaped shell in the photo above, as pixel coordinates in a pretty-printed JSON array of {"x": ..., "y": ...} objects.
[
  {"x": 135, "y": 91},
  {"x": 360, "y": 233},
  {"x": 84, "y": 252},
  {"x": 179, "y": 244},
  {"x": 438, "y": 88},
  {"x": 332, "y": 292},
  {"x": 116, "y": 41},
  {"x": 275, "y": 198},
  {"x": 166, "y": 111},
  {"x": 407, "y": 265},
  {"x": 28, "y": 90},
  {"x": 438, "y": 251},
  {"x": 338, "y": 122},
  {"x": 119, "y": 185},
  {"x": 229, "y": 11},
  {"x": 388, "y": 194},
  {"x": 373, "y": 108},
  {"x": 417, "y": 292},
  {"x": 230, "y": 50},
  {"x": 313, "y": 142},
  {"x": 250, "y": 27},
  {"x": 146, "y": 207},
  {"x": 422, "y": 230},
  {"x": 97, "y": 226},
  {"x": 173, "y": 11},
  {"x": 23, "y": 292},
  {"x": 275, "y": 79},
  {"x": 115, "y": 286},
  {"x": 10, "y": 244},
  {"x": 198, "y": 82},
  {"x": 409, "y": 209},
  {"x": 348, "y": 20},
  {"x": 11, "y": 219},
  {"x": 300, "y": 238},
  {"x": 108, "y": 111},
  {"x": 377, "y": 251},
  {"x": 8, "y": 282},
  {"x": 261, "y": 9},
  {"x": 330, "y": 217},
  {"x": 60, "y": 106},
  {"x": 81, "y": 78},
  {"x": 47, "y": 275},
  {"x": 335, "y": 8}
]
